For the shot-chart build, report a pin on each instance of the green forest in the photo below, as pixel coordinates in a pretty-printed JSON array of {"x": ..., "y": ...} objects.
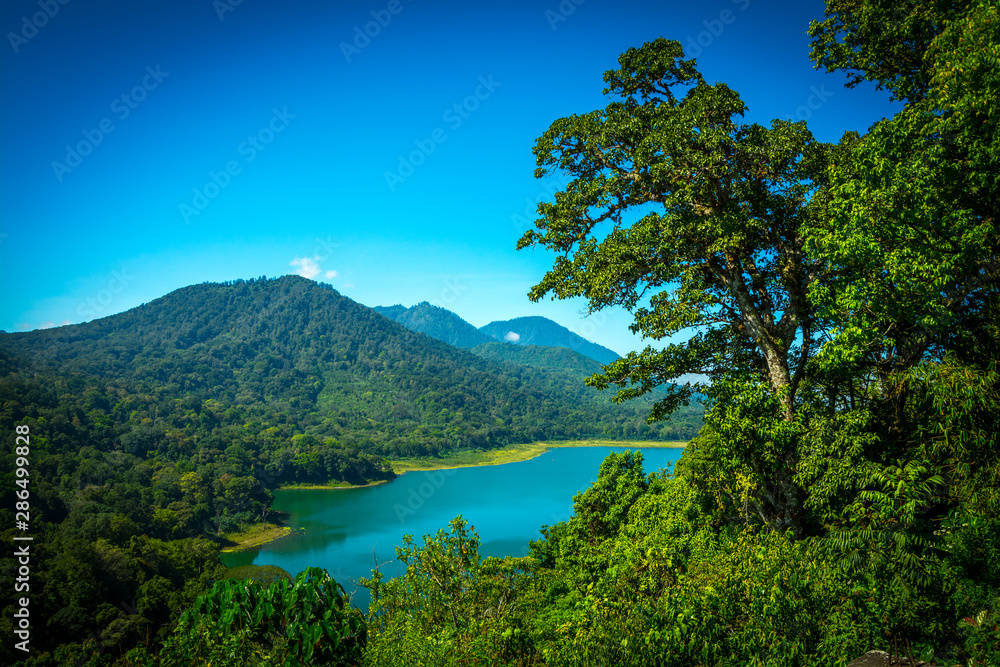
[
  {"x": 156, "y": 434},
  {"x": 841, "y": 495}
]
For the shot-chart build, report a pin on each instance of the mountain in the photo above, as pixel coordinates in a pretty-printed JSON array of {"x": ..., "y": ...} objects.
[
  {"x": 436, "y": 322},
  {"x": 269, "y": 360},
  {"x": 446, "y": 326},
  {"x": 539, "y": 343},
  {"x": 543, "y": 331}
]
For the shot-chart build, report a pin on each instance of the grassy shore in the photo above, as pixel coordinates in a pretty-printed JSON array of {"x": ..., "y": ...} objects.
[
  {"x": 254, "y": 536},
  {"x": 339, "y": 485},
  {"x": 492, "y": 457}
]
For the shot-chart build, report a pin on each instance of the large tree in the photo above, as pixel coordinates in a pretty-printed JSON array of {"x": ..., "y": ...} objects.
[{"x": 691, "y": 219}]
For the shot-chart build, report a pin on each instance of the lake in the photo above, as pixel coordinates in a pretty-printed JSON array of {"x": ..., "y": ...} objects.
[{"x": 340, "y": 529}]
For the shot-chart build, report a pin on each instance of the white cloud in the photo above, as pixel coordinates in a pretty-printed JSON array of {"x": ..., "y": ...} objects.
[
  {"x": 308, "y": 268},
  {"x": 512, "y": 337},
  {"x": 349, "y": 285}
]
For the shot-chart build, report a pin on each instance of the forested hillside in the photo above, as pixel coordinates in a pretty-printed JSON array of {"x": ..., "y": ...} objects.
[
  {"x": 536, "y": 356},
  {"x": 290, "y": 350},
  {"x": 157, "y": 431}
]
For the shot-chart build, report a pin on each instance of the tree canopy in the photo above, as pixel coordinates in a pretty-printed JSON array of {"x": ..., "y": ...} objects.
[{"x": 689, "y": 218}]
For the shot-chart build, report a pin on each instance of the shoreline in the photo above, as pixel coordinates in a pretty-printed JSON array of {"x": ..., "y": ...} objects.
[
  {"x": 461, "y": 459},
  {"x": 334, "y": 487},
  {"x": 256, "y": 538},
  {"x": 518, "y": 453},
  {"x": 489, "y": 457}
]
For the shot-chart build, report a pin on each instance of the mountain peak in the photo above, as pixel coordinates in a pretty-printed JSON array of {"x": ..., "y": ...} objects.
[
  {"x": 436, "y": 322},
  {"x": 537, "y": 330}
]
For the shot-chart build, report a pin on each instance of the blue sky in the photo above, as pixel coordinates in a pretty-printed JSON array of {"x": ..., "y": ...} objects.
[{"x": 381, "y": 146}]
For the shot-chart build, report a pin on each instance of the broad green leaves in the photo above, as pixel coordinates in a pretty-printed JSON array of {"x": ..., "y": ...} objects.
[{"x": 305, "y": 622}]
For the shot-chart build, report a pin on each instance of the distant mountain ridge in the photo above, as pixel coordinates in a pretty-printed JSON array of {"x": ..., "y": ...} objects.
[
  {"x": 535, "y": 330},
  {"x": 446, "y": 326},
  {"x": 436, "y": 322}
]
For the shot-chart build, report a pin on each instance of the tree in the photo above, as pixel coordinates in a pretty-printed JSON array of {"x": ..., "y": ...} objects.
[
  {"x": 883, "y": 41},
  {"x": 450, "y": 606},
  {"x": 910, "y": 239},
  {"x": 705, "y": 217},
  {"x": 692, "y": 220}
]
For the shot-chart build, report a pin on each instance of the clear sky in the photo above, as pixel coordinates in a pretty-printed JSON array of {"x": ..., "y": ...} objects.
[{"x": 382, "y": 146}]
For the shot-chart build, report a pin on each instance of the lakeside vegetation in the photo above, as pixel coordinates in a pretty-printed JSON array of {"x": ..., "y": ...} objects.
[
  {"x": 513, "y": 454},
  {"x": 254, "y": 536}
]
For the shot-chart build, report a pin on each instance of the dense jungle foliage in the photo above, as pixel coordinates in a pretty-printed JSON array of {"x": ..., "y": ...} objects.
[{"x": 844, "y": 493}]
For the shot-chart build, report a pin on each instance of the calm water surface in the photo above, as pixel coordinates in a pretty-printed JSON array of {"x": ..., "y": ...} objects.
[{"x": 341, "y": 529}]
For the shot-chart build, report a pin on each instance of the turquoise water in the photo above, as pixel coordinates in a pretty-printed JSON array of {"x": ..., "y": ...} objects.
[{"x": 341, "y": 529}]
